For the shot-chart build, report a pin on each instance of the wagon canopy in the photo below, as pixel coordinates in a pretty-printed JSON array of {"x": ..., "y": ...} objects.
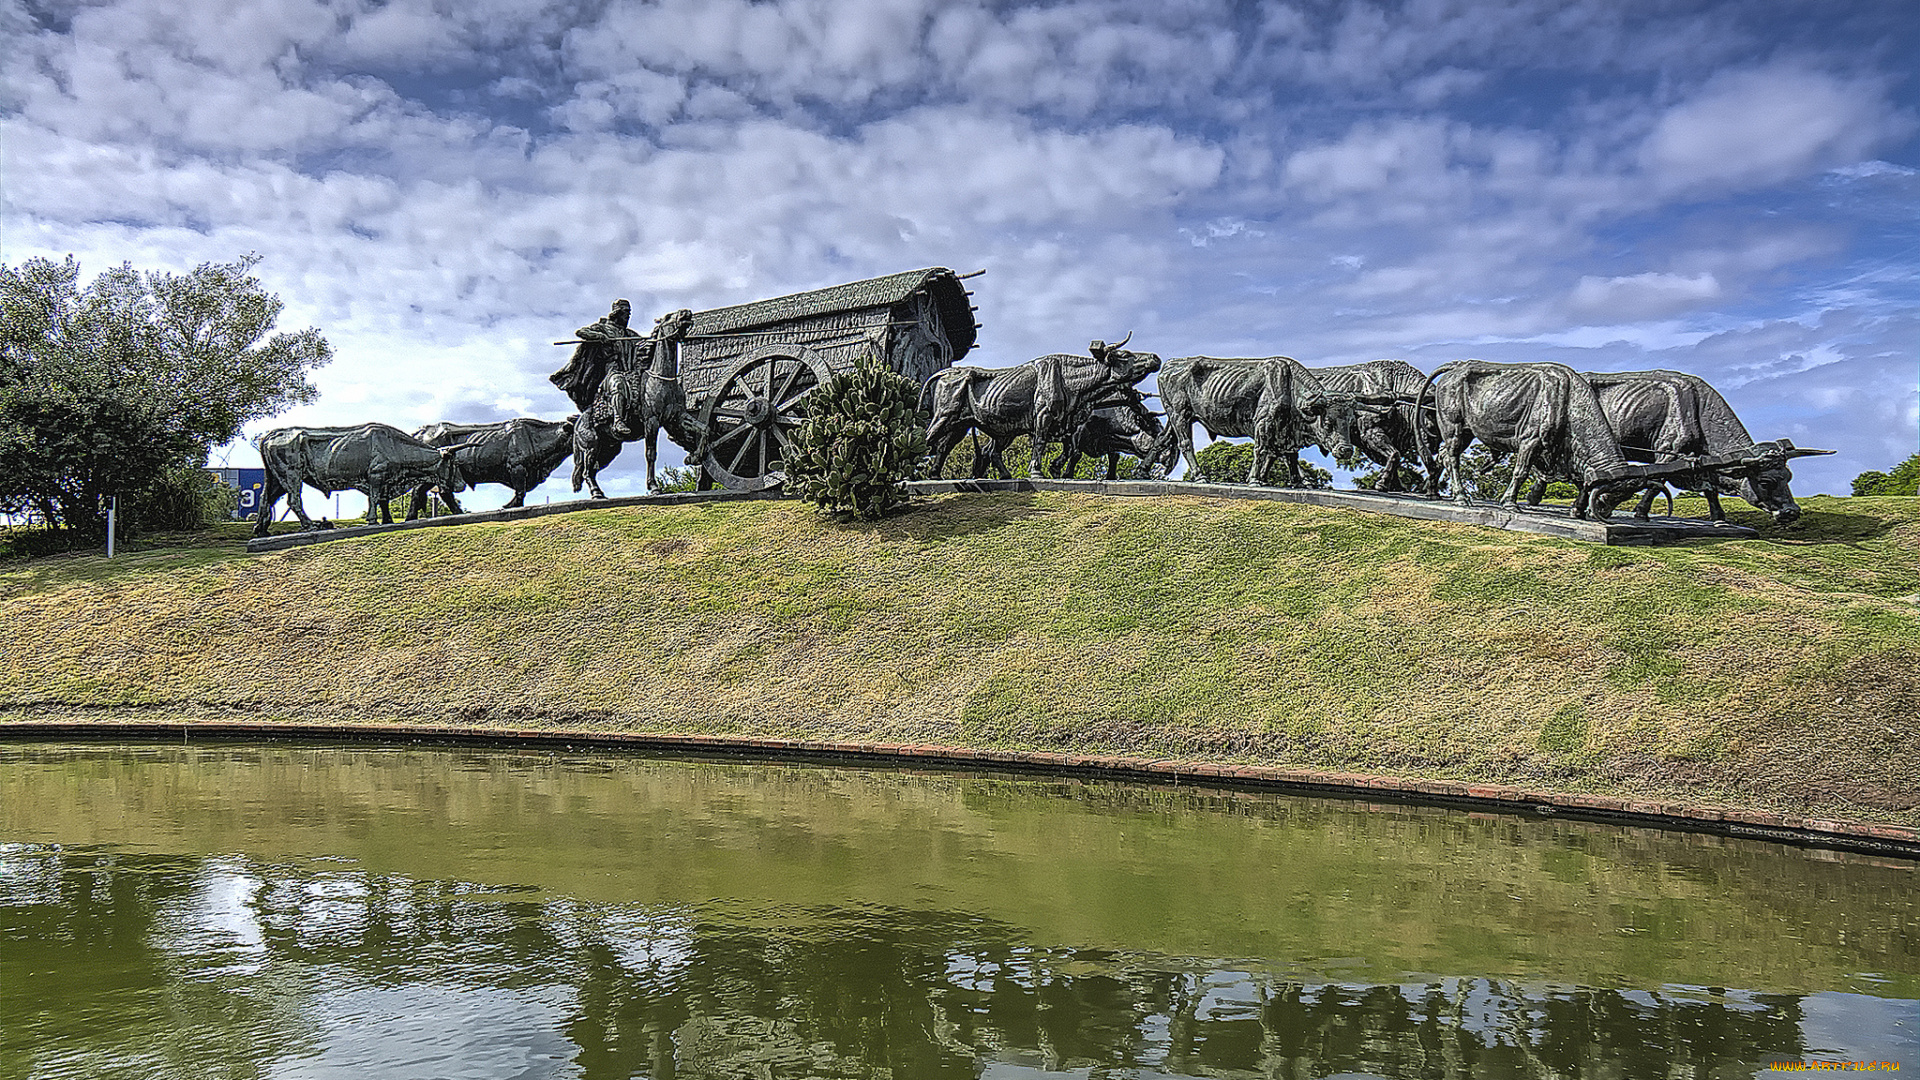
[{"x": 939, "y": 284}]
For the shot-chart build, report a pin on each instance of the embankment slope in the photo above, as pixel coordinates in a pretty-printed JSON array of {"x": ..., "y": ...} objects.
[{"x": 1780, "y": 673}]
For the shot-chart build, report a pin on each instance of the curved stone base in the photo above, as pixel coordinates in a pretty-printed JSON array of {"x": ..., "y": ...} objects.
[
  {"x": 1547, "y": 520},
  {"x": 278, "y": 541}
]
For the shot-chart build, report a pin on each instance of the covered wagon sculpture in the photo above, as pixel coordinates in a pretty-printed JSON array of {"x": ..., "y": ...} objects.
[
  {"x": 747, "y": 369},
  {"x": 730, "y": 384}
]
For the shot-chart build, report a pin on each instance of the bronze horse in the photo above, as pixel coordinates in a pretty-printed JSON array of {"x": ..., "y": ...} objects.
[{"x": 637, "y": 400}]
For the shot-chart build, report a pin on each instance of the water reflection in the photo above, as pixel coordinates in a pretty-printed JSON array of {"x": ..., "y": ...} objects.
[{"x": 136, "y": 947}]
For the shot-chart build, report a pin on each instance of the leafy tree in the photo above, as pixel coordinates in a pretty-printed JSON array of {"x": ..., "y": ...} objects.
[
  {"x": 1369, "y": 477},
  {"x": 1903, "y": 480},
  {"x": 676, "y": 478},
  {"x": 863, "y": 435},
  {"x": 959, "y": 463},
  {"x": 122, "y": 388},
  {"x": 1485, "y": 474},
  {"x": 1560, "y": 489},
  {"x": 1223, "y": 462},
  {"x": 1868, "y": 483},
  {"x": 1019, "y": 459},
  {"x": 1091, "y": 467}
]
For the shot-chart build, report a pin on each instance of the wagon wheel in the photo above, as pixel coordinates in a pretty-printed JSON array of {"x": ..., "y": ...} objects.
[{"x": 749, "y": 417}]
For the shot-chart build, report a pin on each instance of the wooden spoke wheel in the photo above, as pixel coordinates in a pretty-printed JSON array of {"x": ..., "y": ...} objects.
[{"x": 749, "y": 418}]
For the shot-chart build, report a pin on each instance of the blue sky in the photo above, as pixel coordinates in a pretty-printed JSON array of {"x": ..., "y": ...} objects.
[{"x": 1730, "y": 189}]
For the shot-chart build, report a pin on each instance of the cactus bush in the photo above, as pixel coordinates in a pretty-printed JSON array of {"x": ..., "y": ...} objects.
[{"x": 862, "y": 437}]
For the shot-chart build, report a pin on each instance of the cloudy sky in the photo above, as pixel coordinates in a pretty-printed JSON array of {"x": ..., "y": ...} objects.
[{"x": 443, "y": 188}]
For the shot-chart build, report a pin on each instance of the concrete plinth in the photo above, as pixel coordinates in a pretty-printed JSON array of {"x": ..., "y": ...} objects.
[
  {"x": 1546, "y": 520},
  {"x": 321, "y": 536}
]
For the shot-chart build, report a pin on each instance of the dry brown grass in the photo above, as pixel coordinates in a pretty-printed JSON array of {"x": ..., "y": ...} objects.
[{"x": 1776, "y": 673}]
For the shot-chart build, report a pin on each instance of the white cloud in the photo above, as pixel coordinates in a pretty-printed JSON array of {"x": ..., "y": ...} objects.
[
  {"x": 1370, "y": 159},
  {"x": 1647, "y": 295},
  {"x": 1395, "y": 280},
  {"x": 1642, "y": 337},
  {"x": 1075, "y": 58},
  {"x": 404, "y": 32},
  {"x": 1368, "y": 45},
  {"x": 1219, "y": 229},
  {"x": 1863, "y": 169},
  {"x": 1762, "y": 125},
  {"x": 647, "y": 96},
  {"x": 1431, "y": 90}
]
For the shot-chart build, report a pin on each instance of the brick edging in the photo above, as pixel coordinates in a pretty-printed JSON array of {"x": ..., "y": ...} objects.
[{"x": 1898, "y": 840}]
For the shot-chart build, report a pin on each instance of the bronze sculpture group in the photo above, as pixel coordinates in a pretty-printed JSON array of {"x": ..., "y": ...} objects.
[{"x": 729, "y": 385}]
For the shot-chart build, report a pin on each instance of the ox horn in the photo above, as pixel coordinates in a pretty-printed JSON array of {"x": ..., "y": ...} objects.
[
  {"x": 1793, "y": 451},
  {"x": 1122, "y": 341},
  {"x": 1781, "y": 450}
]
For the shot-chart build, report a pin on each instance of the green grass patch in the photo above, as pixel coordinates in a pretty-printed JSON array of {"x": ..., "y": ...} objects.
[{"x": 1565, "y": 732}]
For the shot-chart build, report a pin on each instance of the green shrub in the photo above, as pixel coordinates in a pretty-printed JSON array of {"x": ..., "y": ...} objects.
[
  {"x": 676, "y": 478},
  {"x": 1560, "y": 489},
  {"x": 1903, "y": 480},
  {"x": 1373, "y": 476},
  {"x": 1221, "y": 462},
  {"x": 33, "y": 541},
  {"x": 862, "y": 437},
  {"x": 1019, "y": 459},
  {"x": 183, "y": 499}
]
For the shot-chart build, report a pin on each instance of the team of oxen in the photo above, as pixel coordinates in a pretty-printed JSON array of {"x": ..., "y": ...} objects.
[
  {"x": 631, "y": 400},
  {"x": 386, "y": 463},
  {"x": 1611, "y": 435}
]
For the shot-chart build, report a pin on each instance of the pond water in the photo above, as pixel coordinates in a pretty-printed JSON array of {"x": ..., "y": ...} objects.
[{"x": 306, "y": 911}]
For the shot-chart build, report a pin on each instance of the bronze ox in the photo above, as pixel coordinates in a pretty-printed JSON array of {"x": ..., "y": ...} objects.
[
  {"x": 519, "y": 454},
  {"x": 379, "y": 460},
  {"x": 1126, "y": 428},
  {"x": 1545, "y": 415},
  {"x": 1664, "y": 416},
  {"x": 1271, "y": 399},
  {"x": 1372, "y": 410},
  {"x": 1044, "y": 399}
]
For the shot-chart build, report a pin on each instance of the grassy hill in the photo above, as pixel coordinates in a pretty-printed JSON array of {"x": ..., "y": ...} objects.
[{"x": 1781, "y": 673}]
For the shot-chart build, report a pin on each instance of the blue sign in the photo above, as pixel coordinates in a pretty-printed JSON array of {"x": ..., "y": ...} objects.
[
  {"x": 253, "y": 482},
  {"x": 250, "y": 483}
]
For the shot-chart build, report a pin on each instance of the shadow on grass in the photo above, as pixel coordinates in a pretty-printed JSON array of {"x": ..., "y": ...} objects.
[
  {"x": 1822, "y": 521},
  {"x": 145, "y": 554},
  {"x": 1818, "y": 527},
  {"x": 959, "y": 515},
  {"x": 21, "y": 545}
]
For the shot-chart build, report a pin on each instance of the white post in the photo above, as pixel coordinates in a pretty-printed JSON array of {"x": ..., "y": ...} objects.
[{"x": 113, "y": 507}]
